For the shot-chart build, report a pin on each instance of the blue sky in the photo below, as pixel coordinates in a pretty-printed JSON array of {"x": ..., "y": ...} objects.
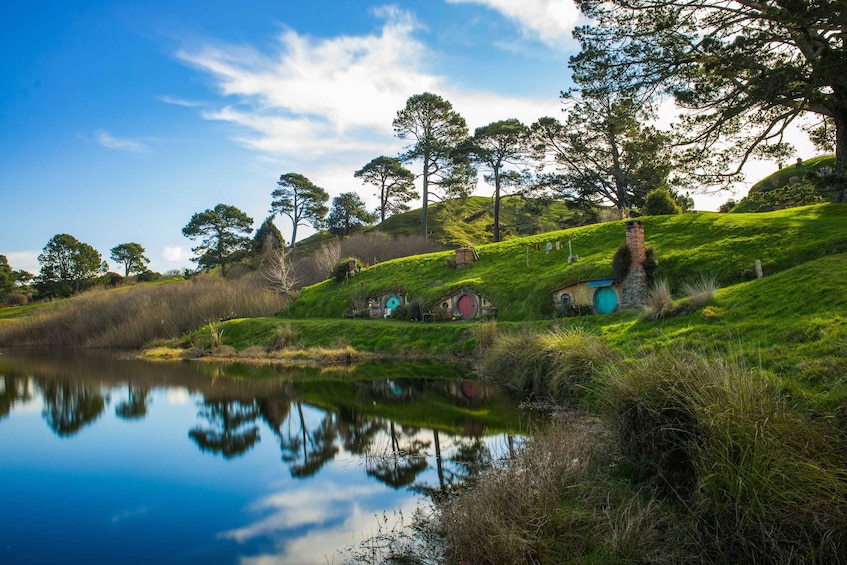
[{"x": 122, "y": 119}]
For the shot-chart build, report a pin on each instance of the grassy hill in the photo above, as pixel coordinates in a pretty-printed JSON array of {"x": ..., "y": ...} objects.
[
  {"x": 469, "y": 221},
  {"x": 721, "y": 245}
]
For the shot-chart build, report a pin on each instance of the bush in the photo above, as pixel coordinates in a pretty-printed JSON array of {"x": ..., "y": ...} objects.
[
  {"x": 700, "y": 292},
  {"x": 660, "y": 202},
  {"x": 341, "y": 272},
  {"x": 621, "y": 262}
]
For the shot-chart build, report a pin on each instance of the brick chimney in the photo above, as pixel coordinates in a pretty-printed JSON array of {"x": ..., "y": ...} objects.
[
  {"x": 635, "y": 242},
  {"x": 634, "y": 285}
]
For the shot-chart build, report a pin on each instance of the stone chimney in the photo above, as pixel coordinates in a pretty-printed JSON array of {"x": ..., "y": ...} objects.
[{"x": 634, "y": 285}]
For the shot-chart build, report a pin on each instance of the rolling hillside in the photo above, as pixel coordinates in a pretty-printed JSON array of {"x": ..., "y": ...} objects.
[{"x": 518, "y": 279}]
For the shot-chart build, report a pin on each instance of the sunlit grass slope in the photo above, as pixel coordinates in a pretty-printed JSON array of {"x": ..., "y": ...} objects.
[{"x": 722, "y": 245}]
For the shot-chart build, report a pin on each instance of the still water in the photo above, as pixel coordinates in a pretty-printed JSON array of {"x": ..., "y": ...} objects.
[{"x": 105, "y": 460}]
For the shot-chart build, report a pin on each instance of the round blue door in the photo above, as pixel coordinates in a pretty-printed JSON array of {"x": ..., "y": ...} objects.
[
  {"x": 605, "y": 300},
  {"x": 392, "y": 302}
]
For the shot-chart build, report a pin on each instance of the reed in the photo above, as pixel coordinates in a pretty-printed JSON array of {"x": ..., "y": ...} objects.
[{"x": 129, "y": 317}]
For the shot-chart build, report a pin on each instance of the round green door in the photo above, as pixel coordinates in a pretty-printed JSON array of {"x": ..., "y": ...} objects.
[
  {"x": 605, "y": 300},
  {"x": 392, "y": 302}
]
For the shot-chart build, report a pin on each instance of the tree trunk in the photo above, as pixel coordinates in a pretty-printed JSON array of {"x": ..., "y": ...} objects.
[
  {"x": 496, "y": 206},
  {"x": 425, "y": 194},
  {"x": 840, "y": 194}
]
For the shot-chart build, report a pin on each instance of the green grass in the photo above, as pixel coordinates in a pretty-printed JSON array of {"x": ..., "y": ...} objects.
[
  {"x": 722, "y": 245},
  {"x": 783, "y": 176}
]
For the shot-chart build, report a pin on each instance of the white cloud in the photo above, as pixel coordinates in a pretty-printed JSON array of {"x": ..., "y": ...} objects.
[
  {"x": 109, "y": 141},
  {"x": 176, "y": 254},
  {"x": 23, "y": 260},
  {"x": 176, "y": 101},
  {"x": 549, "y": 21},
  {"x": 332, "y": 101}
]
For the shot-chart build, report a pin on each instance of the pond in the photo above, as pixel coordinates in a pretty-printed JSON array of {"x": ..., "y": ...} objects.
[{"x": 107, "y": 460}]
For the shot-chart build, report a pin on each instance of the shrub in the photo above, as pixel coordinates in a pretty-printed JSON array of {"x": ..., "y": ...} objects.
[
  {"x": 621, "y": 262},
  {"x": 760, "y": 481},
  {"x": 341, "y": 272},
  {"x": 282, "y": 337},
  {"x": 660, "y": 202}
]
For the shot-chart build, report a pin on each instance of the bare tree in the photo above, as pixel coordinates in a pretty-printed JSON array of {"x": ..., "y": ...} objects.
[
  {"x": 328, "y": 256},
  {"x": 278, "y": 271}
]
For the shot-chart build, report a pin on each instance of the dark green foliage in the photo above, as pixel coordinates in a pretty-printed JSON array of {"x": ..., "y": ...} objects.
[
  {"x": 604, "y": 153},
  {"x": 148, "y": 276},
  {"x": 659, "y": 202},
  {"x": 67, "y": 267},
  {"x": 10, "y": 281},
  {"x": 345, "y": 269},
  {"x": 267, "y": 238},
  {"x": 131, "y": 256},
  {"x": 301, "y": 200},
  {"x": 746, "y": 69},
  {"x": 621, "y": 262},
  {"x": 435, "y": 129},
  {"x": 651, "y": 264},
  {"x": 395, "y": 182},
  {"x": 348, "y": 215},
  {"x": 224, "y": 236}
]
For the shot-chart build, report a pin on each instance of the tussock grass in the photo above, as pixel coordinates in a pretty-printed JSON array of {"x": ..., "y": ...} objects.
[
  {"x": 760, "y": 481},
  {"x": 555, "y": 364},
  {"x": 552, "y": 503},
  {"x": 659, "y": 301},
  {"x": 132, "y": 316}
]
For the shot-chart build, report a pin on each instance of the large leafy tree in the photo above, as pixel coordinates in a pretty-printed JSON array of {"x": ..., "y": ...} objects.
[
  {"x": 301, "y": 200},
  {"x": 502, "y": 147},
  {"x": 67, "y": 266},
  {"x": 744, "y": 69},
  {"x": 224, "y": 232},
  {"x": 131, "y": 256},
  {"x": 348, "y": 214},
  {"x": 603, "y": 152},
  {"x": 395, "y": 182},
  {"x": 435, "y": 130}
]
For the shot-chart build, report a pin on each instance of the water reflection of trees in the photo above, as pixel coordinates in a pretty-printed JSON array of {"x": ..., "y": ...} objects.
[
  {"x": 231, "y": 430},
  {"x": 305, "y": 449},
  {"x": 392, "y": 451},
  {"x": 135, "y": 406},
  {"x": 15, "y": 388},
  {"x": 68, "y": 406}
]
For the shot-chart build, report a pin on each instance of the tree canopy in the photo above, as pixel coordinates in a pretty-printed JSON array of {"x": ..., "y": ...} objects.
[
  {"x": 225, "y": 235},
  {"x": 603, "y": 153},
  {"x": 301, "y": 200},
  {"x": 395, "y": 182},
  {"x": 743, "y": 69},
  {"x": 131, "y": 256},
  {"x": 435, "y": 130},
  {"x": 348, "y": 214},
  {"x": 67, "y": 266},
  {"x": 10, "y": 279},
  {"x": 502, "y": 147}
]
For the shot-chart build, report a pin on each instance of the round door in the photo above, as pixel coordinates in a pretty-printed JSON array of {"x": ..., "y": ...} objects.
[
  {"x": 605, "y": 300},
  {"x": 392, "y": 302},
  {"x": 466, "y": 306}
]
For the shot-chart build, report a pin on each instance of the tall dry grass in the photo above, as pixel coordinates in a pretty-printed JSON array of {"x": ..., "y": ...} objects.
[
  {"x": 556, "y": 364},
  {"x": 552, "y": 503},
  {"x": 130, "y": 317},
  {"x": 761, "y": 482}
]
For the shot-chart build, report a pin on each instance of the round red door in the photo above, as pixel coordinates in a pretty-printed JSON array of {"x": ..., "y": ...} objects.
[{"x": 466, "y": 306}]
